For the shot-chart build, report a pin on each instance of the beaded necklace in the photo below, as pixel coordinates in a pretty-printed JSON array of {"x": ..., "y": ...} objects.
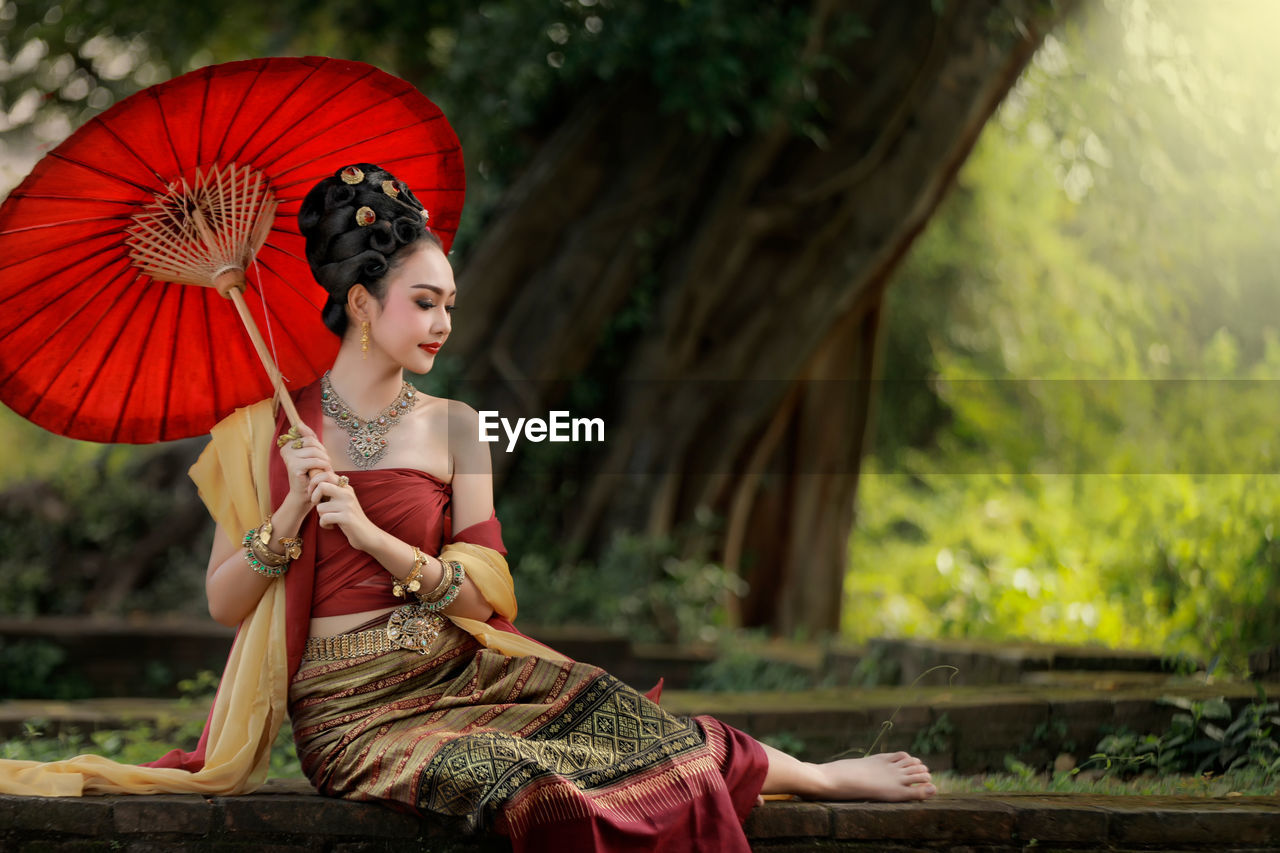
[{"x": 366, "y": 444}]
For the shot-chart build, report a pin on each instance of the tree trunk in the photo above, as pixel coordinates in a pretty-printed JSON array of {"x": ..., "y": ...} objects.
[{"x": 757, "y": 265}]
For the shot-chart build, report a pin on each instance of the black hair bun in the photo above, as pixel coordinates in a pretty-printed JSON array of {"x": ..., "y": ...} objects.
[{"x": 354, "y": 223}]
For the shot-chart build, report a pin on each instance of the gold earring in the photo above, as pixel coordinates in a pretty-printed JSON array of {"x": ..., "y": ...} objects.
[{"x": 364, "y": 339}]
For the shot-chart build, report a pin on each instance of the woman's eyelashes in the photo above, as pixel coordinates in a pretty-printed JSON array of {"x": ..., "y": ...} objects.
[{"x": 427, "y": 305}]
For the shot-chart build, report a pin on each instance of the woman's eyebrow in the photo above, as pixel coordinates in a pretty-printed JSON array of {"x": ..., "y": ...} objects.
[{"x": 438, "y": 290}]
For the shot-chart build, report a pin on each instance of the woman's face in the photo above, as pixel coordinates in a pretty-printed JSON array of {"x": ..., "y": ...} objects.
[{"x": 414, "y": 316}]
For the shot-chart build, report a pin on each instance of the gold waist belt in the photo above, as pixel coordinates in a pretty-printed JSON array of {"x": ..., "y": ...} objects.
[{"x": 409, "y": 627}]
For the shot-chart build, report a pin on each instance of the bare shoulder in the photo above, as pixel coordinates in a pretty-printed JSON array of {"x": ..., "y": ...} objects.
[
  {"x": 470, "y": 455},
  {"x": 460, "y": 413}
]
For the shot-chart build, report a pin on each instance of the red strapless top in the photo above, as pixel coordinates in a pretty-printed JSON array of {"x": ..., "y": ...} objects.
[{"x": 407, "y": 503}]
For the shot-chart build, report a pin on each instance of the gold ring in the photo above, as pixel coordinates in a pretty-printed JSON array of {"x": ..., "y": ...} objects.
[
  {"x": 287, "y": 437},
  {"x": 297, "y": 445},
  {"x": 343, "y": 481}
]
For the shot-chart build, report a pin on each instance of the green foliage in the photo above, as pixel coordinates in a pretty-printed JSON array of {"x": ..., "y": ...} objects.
[
  {"x": 143, "y": 741},
  {"x": 738, "y": 668},
  {"x": 30, "y": 669},
  {"x": 1204, "y": 737},
  {"x": 60, "y": 537},
  {"x": 137, "y": 744},
  {"x": 200, "y": 687},
  {"x": 788, "y": 742},
  {"x": 937, "y": 738},
  {"x": 504, "y": 72},
  {"x": 642, "y": 585},
  {"x": 1074, "y": 437},
  {"x": 876, "y": 669},
  {"x": 1050, "y": 734}
]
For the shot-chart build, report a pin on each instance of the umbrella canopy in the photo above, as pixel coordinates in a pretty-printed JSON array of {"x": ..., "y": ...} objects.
[{"x": 93, "y": 348}]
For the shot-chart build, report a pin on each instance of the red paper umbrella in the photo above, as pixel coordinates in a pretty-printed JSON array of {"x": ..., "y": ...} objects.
[{"x": 93, "y": 347}]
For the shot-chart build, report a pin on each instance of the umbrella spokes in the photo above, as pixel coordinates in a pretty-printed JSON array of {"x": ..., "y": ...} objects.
[
  {"x": 194, "y": 232},
  {"x": 206, "y": 233}
]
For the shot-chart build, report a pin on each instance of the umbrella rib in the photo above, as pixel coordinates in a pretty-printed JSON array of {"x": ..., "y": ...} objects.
[
  {"x": 137, "y": 368},
  {"x": 276, "y": 316},
  {"x": 150, "y": 168},
  {"x": 284, "y": 186},
  {"x": 280, "y": 103},
  {"x": 21, "y": 260},
  {"x": 173, "y": 358},
  {"x": 168, "y": 135},
  {"x": 226, "y": 132},
  {"x": 113, "y": 218},
  {"x": 81, "y": 199},
  {"x": 141, "y": 292},
  {"x": 328, "y": 125},
  {"x": 285, "y": 281},
  {"x": 70, "y": 355},
  {"x": 60, "y": 156},
  {"x": 106, "y": 261},
  {"x": 18, "y": 261},
  {"x": 206, "y": 325},
  {"x": 204, "y": 103}
]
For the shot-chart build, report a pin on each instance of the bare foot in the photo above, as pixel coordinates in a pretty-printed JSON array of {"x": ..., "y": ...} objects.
[{"x": 887, "y": 777}]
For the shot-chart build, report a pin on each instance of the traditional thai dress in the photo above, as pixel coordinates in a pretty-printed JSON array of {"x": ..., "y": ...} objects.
[{"x": 487, "y": 730}]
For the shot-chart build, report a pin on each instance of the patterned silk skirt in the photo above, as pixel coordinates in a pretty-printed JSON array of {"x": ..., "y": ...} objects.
[{"x": 556, "y": 754}]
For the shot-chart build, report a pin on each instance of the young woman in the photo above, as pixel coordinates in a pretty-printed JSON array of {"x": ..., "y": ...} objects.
[{"x": 408, "y": 682}]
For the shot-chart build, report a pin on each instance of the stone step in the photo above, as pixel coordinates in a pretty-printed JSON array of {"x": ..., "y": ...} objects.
[
  {"x": 965, "y": 729},
  {"x": 52, "y": 717},
  {"x": 972, "y": 662},
  {"x": 68, "y": 657},
  {"x": 76, "y": 657},
  {"x": 289, "y": 817}
]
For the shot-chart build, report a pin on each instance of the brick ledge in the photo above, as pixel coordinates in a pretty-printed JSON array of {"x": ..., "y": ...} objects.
[{"x": 287, "y": 816}]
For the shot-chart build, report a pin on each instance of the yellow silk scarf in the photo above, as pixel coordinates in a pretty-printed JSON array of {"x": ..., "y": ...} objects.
[{"x": 232, "y": 477}]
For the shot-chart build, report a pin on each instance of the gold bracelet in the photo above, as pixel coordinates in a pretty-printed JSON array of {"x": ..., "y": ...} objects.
[
  {"x": 413, "y": 581},
  {"x": 441, "y": 588},
  {"x": 271, "y": 569},
  {"x": 456, "y": 579},
  {"x": 292, "y": 547},
  {"x": 264, "y": 531},
  {"x": 266, "y": 556}
]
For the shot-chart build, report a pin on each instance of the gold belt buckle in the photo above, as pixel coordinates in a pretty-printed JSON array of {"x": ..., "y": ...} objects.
[{"x": 413, "y": 627}]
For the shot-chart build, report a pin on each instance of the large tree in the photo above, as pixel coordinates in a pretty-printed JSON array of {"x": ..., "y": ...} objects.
[{"x": 686, "y": 214}]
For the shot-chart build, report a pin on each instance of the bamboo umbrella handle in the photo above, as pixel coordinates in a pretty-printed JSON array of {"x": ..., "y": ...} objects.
[{"x": 231, "y": 285}]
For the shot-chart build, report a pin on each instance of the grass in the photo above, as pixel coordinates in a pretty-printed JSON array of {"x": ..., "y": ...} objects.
[
  {"x": 1244, "y": 783},
  {"x": 135, "y": 745}
]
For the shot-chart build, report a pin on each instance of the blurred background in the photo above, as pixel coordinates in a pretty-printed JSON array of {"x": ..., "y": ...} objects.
[{"x": 924, "y": 319}]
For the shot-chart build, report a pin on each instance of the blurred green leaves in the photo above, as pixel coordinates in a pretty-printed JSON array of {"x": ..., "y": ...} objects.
[
  {"x": 1077, "y": 423},
  {"x": 506, "y": 73}
]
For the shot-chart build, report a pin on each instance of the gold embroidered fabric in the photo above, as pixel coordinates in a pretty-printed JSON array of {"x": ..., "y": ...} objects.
[{"x": 483, "y": 741}]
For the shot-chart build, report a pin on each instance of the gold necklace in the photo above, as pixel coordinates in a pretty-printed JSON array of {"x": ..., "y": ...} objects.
[{"x": 366, "y": 443}]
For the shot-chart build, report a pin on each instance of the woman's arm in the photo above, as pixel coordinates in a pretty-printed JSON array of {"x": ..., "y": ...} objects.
[{"x": 232, "y": 587}]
